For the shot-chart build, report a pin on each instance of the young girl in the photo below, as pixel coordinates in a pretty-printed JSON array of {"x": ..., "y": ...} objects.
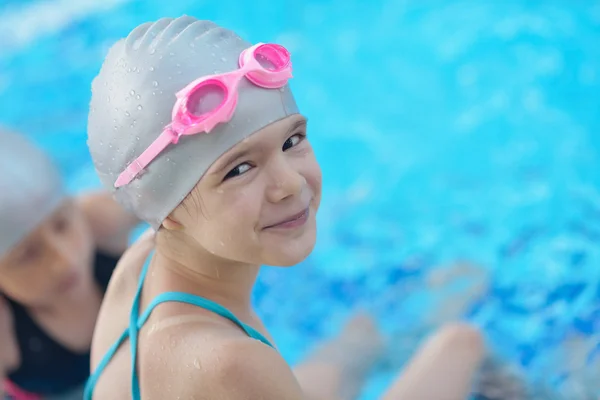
[
  {"x": 56, "y": 257},
  {"x": 197, "y": 132}
]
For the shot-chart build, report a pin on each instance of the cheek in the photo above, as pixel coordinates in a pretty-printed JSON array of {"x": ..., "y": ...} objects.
[
  {"x": 241, "y": 205},
  {"x": 233, "y": 214},
  {"x": 311, "y": 170}
]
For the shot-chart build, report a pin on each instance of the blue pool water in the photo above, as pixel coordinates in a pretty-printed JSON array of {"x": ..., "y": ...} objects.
[{"x": 447, "y": 131}]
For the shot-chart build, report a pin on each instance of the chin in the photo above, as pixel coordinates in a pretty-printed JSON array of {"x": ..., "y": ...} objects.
[{"x": 290, "y": 254}]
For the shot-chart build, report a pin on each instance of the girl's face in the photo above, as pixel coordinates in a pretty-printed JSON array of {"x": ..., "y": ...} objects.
[
  {"x": 52, "y": 261},
  {"x": 257, "y": 203}
]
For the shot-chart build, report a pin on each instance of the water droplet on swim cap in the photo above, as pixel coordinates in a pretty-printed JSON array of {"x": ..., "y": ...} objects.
[
  {"x": 127, "y": 113},
  {"x": 151, "y": 69},
  {"x": 132, "y": 92},
  {"x": 138, "y": 97},
  {"x": 155, "y": 83},
  {"x": 139, "y": 107}
]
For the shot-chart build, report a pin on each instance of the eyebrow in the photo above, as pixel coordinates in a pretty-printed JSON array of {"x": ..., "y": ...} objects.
[
  {"x": 242, "y": 153},
  {"x": 298, "y": 124}
]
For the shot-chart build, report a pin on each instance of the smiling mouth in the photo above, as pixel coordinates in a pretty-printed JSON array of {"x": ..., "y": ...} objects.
[{"x": 294, "y": 221}]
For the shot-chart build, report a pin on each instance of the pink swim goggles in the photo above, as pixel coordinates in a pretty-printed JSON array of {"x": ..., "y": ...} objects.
[{"x": 265, "y": 65}]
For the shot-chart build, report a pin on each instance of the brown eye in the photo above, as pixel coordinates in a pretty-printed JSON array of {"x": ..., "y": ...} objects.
[
  {"x": 28, "y": 255},
  {"x": 237, "y": 171},
  {"x": 293, "y": 141}
]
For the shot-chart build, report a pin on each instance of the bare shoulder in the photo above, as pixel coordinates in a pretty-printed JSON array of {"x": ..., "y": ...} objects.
[
  {"x": 224, "y": 366},
  {"x": 110, "y": 224},
  {"x": 130, "y": 264},
  {"x": 249, "y": 369}
]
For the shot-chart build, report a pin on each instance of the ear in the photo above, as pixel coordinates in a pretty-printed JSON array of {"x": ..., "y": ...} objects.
[{"x": 171, "y": 224}]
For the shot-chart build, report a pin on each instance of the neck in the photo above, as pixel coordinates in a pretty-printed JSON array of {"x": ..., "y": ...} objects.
[{"x": 187, "y": 267}]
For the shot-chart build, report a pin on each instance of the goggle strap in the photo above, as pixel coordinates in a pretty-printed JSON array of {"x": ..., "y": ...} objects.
[{"x": 167, "y": 137}]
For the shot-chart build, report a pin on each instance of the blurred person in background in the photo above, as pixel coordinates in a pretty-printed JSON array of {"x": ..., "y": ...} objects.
[
  {"x": 57, "y": 254},
  {"x": 222, "y": 170}
]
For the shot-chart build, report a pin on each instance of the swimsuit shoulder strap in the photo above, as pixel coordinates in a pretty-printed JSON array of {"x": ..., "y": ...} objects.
[{"x": 93, "y": 379}]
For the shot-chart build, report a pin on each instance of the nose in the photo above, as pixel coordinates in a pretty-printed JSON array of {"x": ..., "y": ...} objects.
[
  {"x": 285, "y": 180},
  {"x": 61, "y": 252}
]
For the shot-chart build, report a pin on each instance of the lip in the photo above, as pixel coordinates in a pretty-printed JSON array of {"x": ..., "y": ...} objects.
[
  {"x": 68, "y": 282},
  {"x": 293, "y": 221}
]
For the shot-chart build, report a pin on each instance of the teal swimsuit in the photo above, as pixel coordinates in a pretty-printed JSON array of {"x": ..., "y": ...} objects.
[{"x": 136, "y": 322}]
